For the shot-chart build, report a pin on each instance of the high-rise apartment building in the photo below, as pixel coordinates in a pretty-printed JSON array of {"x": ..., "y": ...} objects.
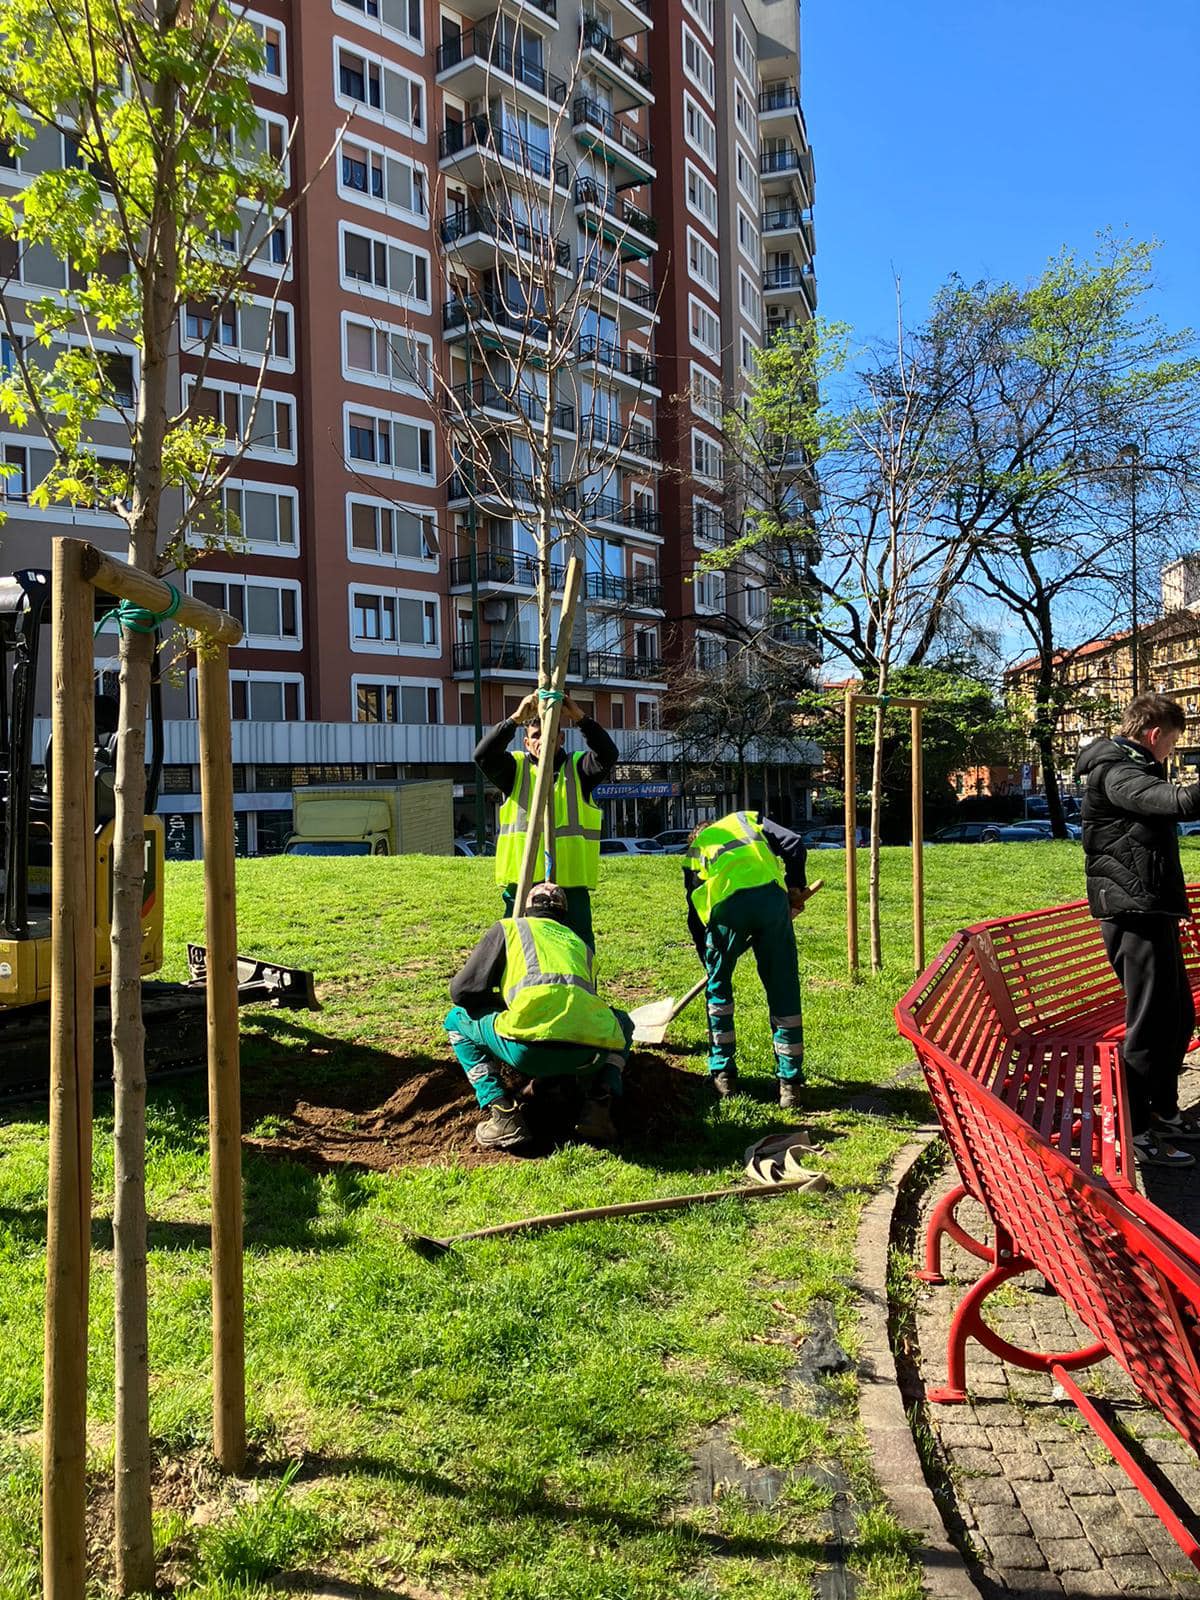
[{"x": 650, "y": 155}]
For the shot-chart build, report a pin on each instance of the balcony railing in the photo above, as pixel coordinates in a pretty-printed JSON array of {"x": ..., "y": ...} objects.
[
  {"x": 632, "y": 363},
  {"x": 487, "y": 395},
  {"x": 481, "y": 43},
  {"x": 643, "y": 593},
  {"x": 598, "y": 39},
  {"x": 783, "y": 97},
  {"x": 491, "y": 306},
  {"x": 515, "y": 487},
  {"x": 770, "y": 161},
  {"x": 503, "y": 225},
  {"x": 499, "y": 655},
  {"x": 614, "y": 281},
  {"x": 604, "y": 664},
  {"x": 610, "y": 433},
  {"x": 791, "y": 217},
  {"x": 784, "y": 277},
  {"x": 481, "y": 133},
  {"x": 589, "y": 193},
  {"x": 595, "y": 115},
  {"x": 502, "y": 566},
  {"x": 708, "y": 524},
  {"x": 607, "y": 508}
]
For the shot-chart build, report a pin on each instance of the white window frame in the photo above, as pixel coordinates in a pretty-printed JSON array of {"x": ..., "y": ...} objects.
[
  {"x": 753, "y": 250},
  {"x": 746, "y": 172},
  {"x": 379, "y": 558},
  {"x": 699, "y": 502},
  {"x": 697, "y": 341},
  {"x": 702, "y": 581},
  {"x": 707, "y": 255},
  {"x": 249, "y": 675},
  {"x": 712, "y": 447},
  {"x": 379, "y": 380},
  {"x": 747, "y": 68},
  {"x": 58, "y": 513},
  {"x": 377, "y": 25},
  {"x": 706, "y": 636},
  {"x": 389, "y": 469},
  {"x": 364, "y": 680},
  {"x": 376, "y": 114},
  {"x": 653, "y": 703},
  {"x": 370, "y": 202},
  {"x": 374, "y": 291},
  {"x": 702, "y": 11},
  {"x": 747, "y": 287},
  {"x": 749, "y": 128},
  {"x": 256, "y": 641},
  {"x": 703, "y": 55},
  {"x": 277, "y": 82},
  {"x": 257, "y": 547},
  {"x": 701, "y": 389},
  {"x": 703, "y": 184},
  {"x": 705, "y": 146},
  {"x": 251, "y": 452},
  {"x": 393, "y": 647},
  {"x": 239, "y": 354}
]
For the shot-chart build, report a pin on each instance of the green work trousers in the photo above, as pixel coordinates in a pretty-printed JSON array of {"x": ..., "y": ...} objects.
[
  {"x": 481, "y": 1051},
  {"x": 756, "y": 919}
]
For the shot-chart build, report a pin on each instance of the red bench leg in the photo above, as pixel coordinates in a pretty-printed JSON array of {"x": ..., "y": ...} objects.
[
  {"x": 967, "y": 1323},
  {"x": 942, "y": 1220}
]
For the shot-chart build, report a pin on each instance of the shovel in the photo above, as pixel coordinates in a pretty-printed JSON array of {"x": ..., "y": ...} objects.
[{"x": 650, "y": 1022}]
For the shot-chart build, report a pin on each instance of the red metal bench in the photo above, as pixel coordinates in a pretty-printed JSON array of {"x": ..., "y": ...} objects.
[{"x": 1017, "y": 1026}]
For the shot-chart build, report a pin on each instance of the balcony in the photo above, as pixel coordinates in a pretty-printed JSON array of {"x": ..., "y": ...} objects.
[
  {"x": 490, "y": 318},
  {"x": 611, "y": 435},
  {"x": 630, "y": 16},
  {"x": 787, "y": 280},
  {"x": 475, "y": 233},
  {"x": 623, "y": 226},
  {"x": 616, "y": 143},
  {"x": 499, "y": 486},
  {"x": 633, "y": 301},
  {"x": 487, "y": 399},
  {"x": 788, "y": 225},
  {"x": 604, "y": 665},
  {"x": 468, "y": 149},
  {"x": 639, "y": 594},
  {"x": 781, "y": 103},
  {"x": 501, "y": 655},
  {"x": 634, "y": 365},
  {"x": 628, "y": 78},
  {"x": 477, "y": 61},
  {"x": 787, "y": 168},
  {"x": 543, "y": 12},
  {"x": 708, "y": 525},
  {"x": 502, "y": 569},
  {"x": 607, "y": 510}
]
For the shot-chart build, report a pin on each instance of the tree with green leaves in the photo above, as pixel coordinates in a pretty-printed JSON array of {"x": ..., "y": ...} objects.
[{"x": 167, "y": 196}]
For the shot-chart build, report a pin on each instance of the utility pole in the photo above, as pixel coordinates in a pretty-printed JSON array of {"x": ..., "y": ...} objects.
[{"x": 476, "y": 668}]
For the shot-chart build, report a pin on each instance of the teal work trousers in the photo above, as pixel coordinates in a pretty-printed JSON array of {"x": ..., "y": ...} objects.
[
  {"x": 481, "y": 1052},
  {"x": 756, "y": 919}
]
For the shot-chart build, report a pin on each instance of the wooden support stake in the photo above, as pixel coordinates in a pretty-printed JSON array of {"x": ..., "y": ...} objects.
[
  {"x": 849, "y": 773},
  {"x": 224, "y": 1069},
  {"x": 72, "y": 1016},
  {"x": 918, "y": 840},
  {"x": 543, "y": 788},
  {"x": 128, "y": 583}
]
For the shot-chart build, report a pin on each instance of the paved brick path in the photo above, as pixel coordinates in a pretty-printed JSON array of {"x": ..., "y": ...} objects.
[{"x": 1045, "y": 1508}]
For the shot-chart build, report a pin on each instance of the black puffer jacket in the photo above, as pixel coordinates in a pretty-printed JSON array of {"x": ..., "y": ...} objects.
[{"x": 1130, "y": 843}]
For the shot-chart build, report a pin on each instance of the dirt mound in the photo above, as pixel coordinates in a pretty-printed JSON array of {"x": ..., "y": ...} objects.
[{"x": 421, "y": 1113}]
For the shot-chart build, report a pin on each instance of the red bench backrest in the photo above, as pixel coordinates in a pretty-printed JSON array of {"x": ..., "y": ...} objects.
[
  {"x": 1053, "y": 966},
  {"x": 955, "y": 1008}
]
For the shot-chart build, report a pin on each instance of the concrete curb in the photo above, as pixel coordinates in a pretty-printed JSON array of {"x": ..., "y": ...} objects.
[{"x": 881, "y": 1408}]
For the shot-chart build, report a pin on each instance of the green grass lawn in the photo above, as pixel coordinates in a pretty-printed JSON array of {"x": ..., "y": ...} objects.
[{"x": 518, "y": 1420}]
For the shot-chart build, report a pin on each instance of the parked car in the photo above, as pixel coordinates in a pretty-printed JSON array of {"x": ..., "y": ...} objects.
[
  {"x": 468, "y": 847},
  {"x": 673, "y": 840},
  {"x": 629, "y": 847},
  {"x": 1025, "y": 832},
  {"x": 1188, "y": 830},
  {"x": 961, "y": 833},
  {"x": 831, "y": 837}
]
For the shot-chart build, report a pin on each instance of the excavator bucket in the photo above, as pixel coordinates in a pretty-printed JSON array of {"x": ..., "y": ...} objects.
[{"x": 260, "y": 982}]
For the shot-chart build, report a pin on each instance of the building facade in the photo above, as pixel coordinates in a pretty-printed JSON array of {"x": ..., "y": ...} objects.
[{"x": 662, "y": 150}]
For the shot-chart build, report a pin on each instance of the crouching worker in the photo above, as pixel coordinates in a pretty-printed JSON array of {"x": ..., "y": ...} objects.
[
  {"x": 526, "y": 999},
  {"x": 744, "y": 877}
]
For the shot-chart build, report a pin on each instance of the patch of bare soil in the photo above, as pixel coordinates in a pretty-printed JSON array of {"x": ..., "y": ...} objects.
[{"x": 414, "y": 1111}]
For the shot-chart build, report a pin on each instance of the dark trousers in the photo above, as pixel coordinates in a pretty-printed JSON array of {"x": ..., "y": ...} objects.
[{"x": 1160, "y": 1014}]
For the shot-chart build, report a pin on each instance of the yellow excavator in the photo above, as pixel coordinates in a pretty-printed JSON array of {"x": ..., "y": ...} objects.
[{"x": 174, "y": 1012}]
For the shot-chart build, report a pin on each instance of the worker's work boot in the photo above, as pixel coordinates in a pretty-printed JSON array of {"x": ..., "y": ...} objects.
[
  {"x": 789, "y": 1093},
  {"x": 725, "y": 1082},
  {"x": 596, "y": 1124},
  {"x": 504, "y": 1128}
]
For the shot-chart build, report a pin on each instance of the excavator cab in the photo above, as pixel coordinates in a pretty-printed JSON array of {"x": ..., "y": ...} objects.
[{"x": 25, "y": 807}]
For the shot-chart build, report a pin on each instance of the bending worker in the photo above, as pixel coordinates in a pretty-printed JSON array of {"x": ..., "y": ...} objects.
[
  {"x": 744, "y": 878},
  {"x": 578, "y": 823},
  {"x": 526, "y": 999}
]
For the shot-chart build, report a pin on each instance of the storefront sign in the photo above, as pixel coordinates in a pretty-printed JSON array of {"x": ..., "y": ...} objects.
[{"x": 636, "y": 791}]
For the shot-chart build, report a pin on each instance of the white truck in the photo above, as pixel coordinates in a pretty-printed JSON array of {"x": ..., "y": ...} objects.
[{"x": 382, "y": 820}]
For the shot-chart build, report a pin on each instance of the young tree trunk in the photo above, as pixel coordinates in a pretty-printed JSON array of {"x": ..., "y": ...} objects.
[
  {"x": 1046, "y": 720},
  {"x": 876, "y": 817}
]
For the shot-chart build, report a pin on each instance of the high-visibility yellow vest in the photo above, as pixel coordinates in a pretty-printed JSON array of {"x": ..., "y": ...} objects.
[
  {"x": 729, "y": 855},
  {"x": 577, "y": 827},
  {"x": 549, "y": 989}
]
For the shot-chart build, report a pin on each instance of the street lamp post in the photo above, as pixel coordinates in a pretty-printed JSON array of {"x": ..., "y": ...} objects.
[{"x": 1131, "y": 453}]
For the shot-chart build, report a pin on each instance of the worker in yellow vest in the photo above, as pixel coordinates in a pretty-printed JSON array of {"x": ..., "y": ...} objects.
[
  {"x": 744, "y": 878},
  {"x": 578, "y": 823},
  {"x": 526, "y": 1000}
]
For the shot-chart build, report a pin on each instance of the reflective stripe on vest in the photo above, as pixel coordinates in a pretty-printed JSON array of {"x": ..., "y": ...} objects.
[
  {"x": 729, "y": 855},
  {"x": 549, "y": 988},
  {"x": 578, "y": 825}
]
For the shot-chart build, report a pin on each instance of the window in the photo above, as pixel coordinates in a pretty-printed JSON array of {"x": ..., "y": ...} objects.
[
  {"x": 701, "y": 196},
  {"x": 703, "y": 265},
  {"x": 709, "y": 590},
  {"x": 385, "y": 93},
  {"x": 707, "y": 398},
  {"x": 707, "y": 522},
  {"x": 385, "y": 440},
  {"x": 747, "y": 175},
  {"x": 255, "y": 328},
  {"x": 747, "y": 234},
  {"x": 710, "y": 652},
  {"x": 373, "y": 261},
  {"x": 743, "y": 54},
  {"x": 118, "y": 370},
  {"x": 395, "y": 618},
  {"x": 264, "y": 517},
  {"x": 359, "y": 79},
  {"x": 702, "y": 10},
  {"x": 269, "y": 610},
  {"x": 386, "y": 355},
  {"x": 254, "y": 698},
  {"x": 649, "y": 714},
  {"x": 745, "y": 113},
  {"x": 373, "y": 173},
  {"x": 697, "y": 63},
  {"x": 706, "y": 456},
  {"x": 705, "y": 327},
  {"x": 14, "y": 484},
  {"x": 395, "y": 700},
  {"x": 756, "y": 602},
  {"x": 382, "y": 532},
  {"x": 699, "y": 130},
  {"x": 401, "y": 17},
  {"x": 262, "y": 424},
  {"x": 749, "y": 298},
  {"x": 748, "y": 352}
]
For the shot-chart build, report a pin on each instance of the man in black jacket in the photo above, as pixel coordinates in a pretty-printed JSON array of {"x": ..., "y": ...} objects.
[{"x": 1135, "y": 887}]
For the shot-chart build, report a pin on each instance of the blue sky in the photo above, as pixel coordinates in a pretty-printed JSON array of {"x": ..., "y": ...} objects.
[{"x": 980, "y": 136}]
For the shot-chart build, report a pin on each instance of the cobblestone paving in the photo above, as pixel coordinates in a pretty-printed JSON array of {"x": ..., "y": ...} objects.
[{"x": 1043, "y": 1505}]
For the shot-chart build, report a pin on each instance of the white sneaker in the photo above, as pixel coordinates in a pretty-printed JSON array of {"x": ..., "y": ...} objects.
[{"x": 1151, "y": 1151}]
